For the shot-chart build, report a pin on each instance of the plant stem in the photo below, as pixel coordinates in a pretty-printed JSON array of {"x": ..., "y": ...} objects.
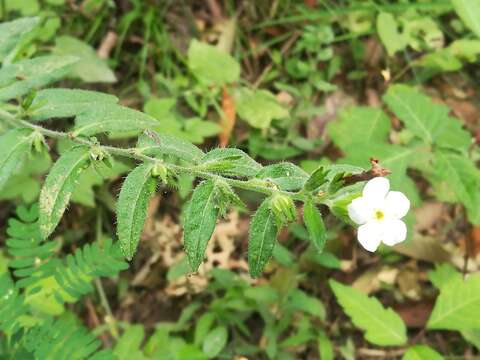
[{"x": 134, "y": 153}]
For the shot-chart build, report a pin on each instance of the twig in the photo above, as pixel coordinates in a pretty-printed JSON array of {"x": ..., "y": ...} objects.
[{"x": 374, "y": 172}]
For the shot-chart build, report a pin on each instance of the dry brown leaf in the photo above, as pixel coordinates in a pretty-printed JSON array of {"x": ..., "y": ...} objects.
[
  {"x": 228, "y": 117},
  {"x": 427, "y": 248},
  {"x": 371, "y": 280},
  {"x": 428, "y": 215}
]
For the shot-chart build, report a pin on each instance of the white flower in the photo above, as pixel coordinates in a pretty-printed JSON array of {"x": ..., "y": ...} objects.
[{"x": 378, "y": 212}]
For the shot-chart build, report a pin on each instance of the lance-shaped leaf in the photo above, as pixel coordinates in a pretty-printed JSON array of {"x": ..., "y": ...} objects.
[
  {"x": 382, "y": 326},
  {"x": 315, "y": 226},
  {"x": 109, "y": 118},
  {"x": 154, "y": 144},
  {"x": 136, "y": 192},
  {"x": 59, "y": 185},
  {"x": 285, "y": 175},
  {"x": 200, "y": 219},
  {"x": 11, "y": 33},
  {"x": 262, "y": 238},
  {"x": 62, "y": 103},
  {"x": 230, "y": 162},
  {"x": 14, "y": 146}
]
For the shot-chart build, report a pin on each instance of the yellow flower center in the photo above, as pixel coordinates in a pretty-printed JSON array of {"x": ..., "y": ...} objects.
[{"x": 379, "y": 215}]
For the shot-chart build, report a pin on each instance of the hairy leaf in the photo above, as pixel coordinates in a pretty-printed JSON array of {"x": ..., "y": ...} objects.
[
  {"x": 315, "y": 226},
  {"x": 159, "y": 145},
  {"x": 286, "y": 176},
  {"x": 316, "y": 179},
  {"x": 109, "y": 118},
  {"x": 230, "y": 162},
  {"x": 421, "y": 352},
  {"x": 25, "y": 75},
  {"x": 59, "y": 185},
  {"x": 14, "y": 147},
  {"x": 458, "y": 305},
  {"x": 137, "y": 189},
  {"x": 382, "y": 326},
  {"x": 262, "y": 238},
  {"x": 200, "y": 220},
  {"x": 62, "y": 103},
  {"x": 469, "y": 12},
  {"x": 11, "y": 32}
]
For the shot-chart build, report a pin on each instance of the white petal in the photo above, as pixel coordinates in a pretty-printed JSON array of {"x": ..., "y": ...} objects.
[
  {"x": 397, "y": 204},
  {"x": 394, "y": 232},
  {"x": 376, "y": 189},
  {"x": 370, "y": 235},
  {"x": 360, "y": 211}
]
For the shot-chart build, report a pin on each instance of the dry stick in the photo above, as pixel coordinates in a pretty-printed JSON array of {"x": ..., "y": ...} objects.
[{"x": 374, "y": 172}]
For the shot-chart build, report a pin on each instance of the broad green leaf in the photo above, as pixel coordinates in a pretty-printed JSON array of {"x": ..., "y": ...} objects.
[
  {"x": 89, "y": 67},
  {"x": 315, "y": 226},
  {"x": 472, "y": 336},
  {"x": 442, "y": 275},
  {"x": 263, "y": 294},
  {"x": 458, "y": 305},
  {"x": 459, "y": 178},
  {"x": 200, "y": 220},
  {"x": 366, "y": 123},
  {"x": 300, "y": 301},
  {"x": 382, "y": 326},
  {"x": 325, "y": 347},
  {"x": 203, "y": 326},
  {"x": 215, "y": 341},
  {"x": 391, "y": 37},
  {"x": 421, "y": 352},
  {"x": 196, "y": 130},
  {"x": 230, "y": 162},
  {"x": 14, "y": 147},
  {"x": 110, "y": 118},
  {"x": 135, "y": 195},
  {"x": 59, "y": 185},
  {"x": 258, "y": 107},
  {"x": 286, "y": 176},
  {"x": 428, "y": 120},
  {"x": 212, "y": 66},
  {"x": 160, "y": 145},
  {"x": 469, "y": 12},
  {"x": 127, "y": 347},
  {"x": 21, "y": 77},
  {"x": 63, "y": 103},
  {"x": 262, "y": 238},
  {"x": 11, "y": 33}
]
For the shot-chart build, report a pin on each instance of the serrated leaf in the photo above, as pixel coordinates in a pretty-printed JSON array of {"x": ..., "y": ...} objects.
[
  {"x": 286, "y": 176},
  {"x": 421, "y": 352},
  {"x": 232, "y": 162},
  {"x": 382, "y": 326},
  {"x": 469, "y": 12},
  {"x": 11, "y": 32},
  {"x": 212, "y": 66},
  {"x": 215, "y": 341},
  {"x": 25, "y": 75},
  {"x": 159, "y": 145},
  {"x": 109, "y": 118},
  {"x": 458, "y": 305},
  {"x": 59, "y": 185},
  {"x": 428, "y": 120},
  {"x": 315, "y": 226},
  {"x": 262, "y": 238},
  {"x": 14, "y": 147},
  {"x": 62, "y": 103},
  {"x": 136, "y": 192},
  {"x": 200, "y": 220}
]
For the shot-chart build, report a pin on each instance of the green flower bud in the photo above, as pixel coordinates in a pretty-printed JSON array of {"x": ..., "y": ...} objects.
[
  {"x": 284, "y": 208},
  {"x": 161, "y": 171}
]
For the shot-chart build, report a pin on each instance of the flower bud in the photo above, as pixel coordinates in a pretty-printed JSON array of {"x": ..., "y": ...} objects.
[
  {"x": 161, "y": 171},
  {"x": 284, "y": 208}
]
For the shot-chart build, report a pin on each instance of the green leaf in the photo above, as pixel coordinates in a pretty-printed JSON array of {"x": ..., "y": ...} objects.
[
  {"x": 23, "y": 76},
  {"x": 259, "y": 107},
  {"x": 442, "y": 275},
  {"x": 200, "y": 220},
  {"x": 286, "y": 176},
  {"x": 109, "y": 118},
  {"x": 469, "y": 12},
  {"x": 300, "y": 301},
  {"x": 262, "y": 238},
  {"x": 230, "y": 162},
  {"x": 59, "y": 185},
  {"x": 15, "y": 145},
  {"x": 202, "y": 327},
  {"x": 89, "y": 67},
  {"x": 128, "y": 345},
  {"x": 387, "y": 29},
  {"x": 325, "y": 347},
  {"x": 421, "y": 352},
  {"x": 215, "y": 341},
  {"x": 159, "y": 145},
  {"x": 315, "y": 226},
  {"x": 136, "y": 192},
  {"x": 458, "y": 305},
  {"x": 365, "y": 123},
  {"x": 63, "y": 103},
  {"x": 12, "y": 32},
  {"x": 316, "y": 179},
  {"x": 212, "y": 66},
  {"x": 428, "y": 120},
  {"x": 382, "y": 326}
]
